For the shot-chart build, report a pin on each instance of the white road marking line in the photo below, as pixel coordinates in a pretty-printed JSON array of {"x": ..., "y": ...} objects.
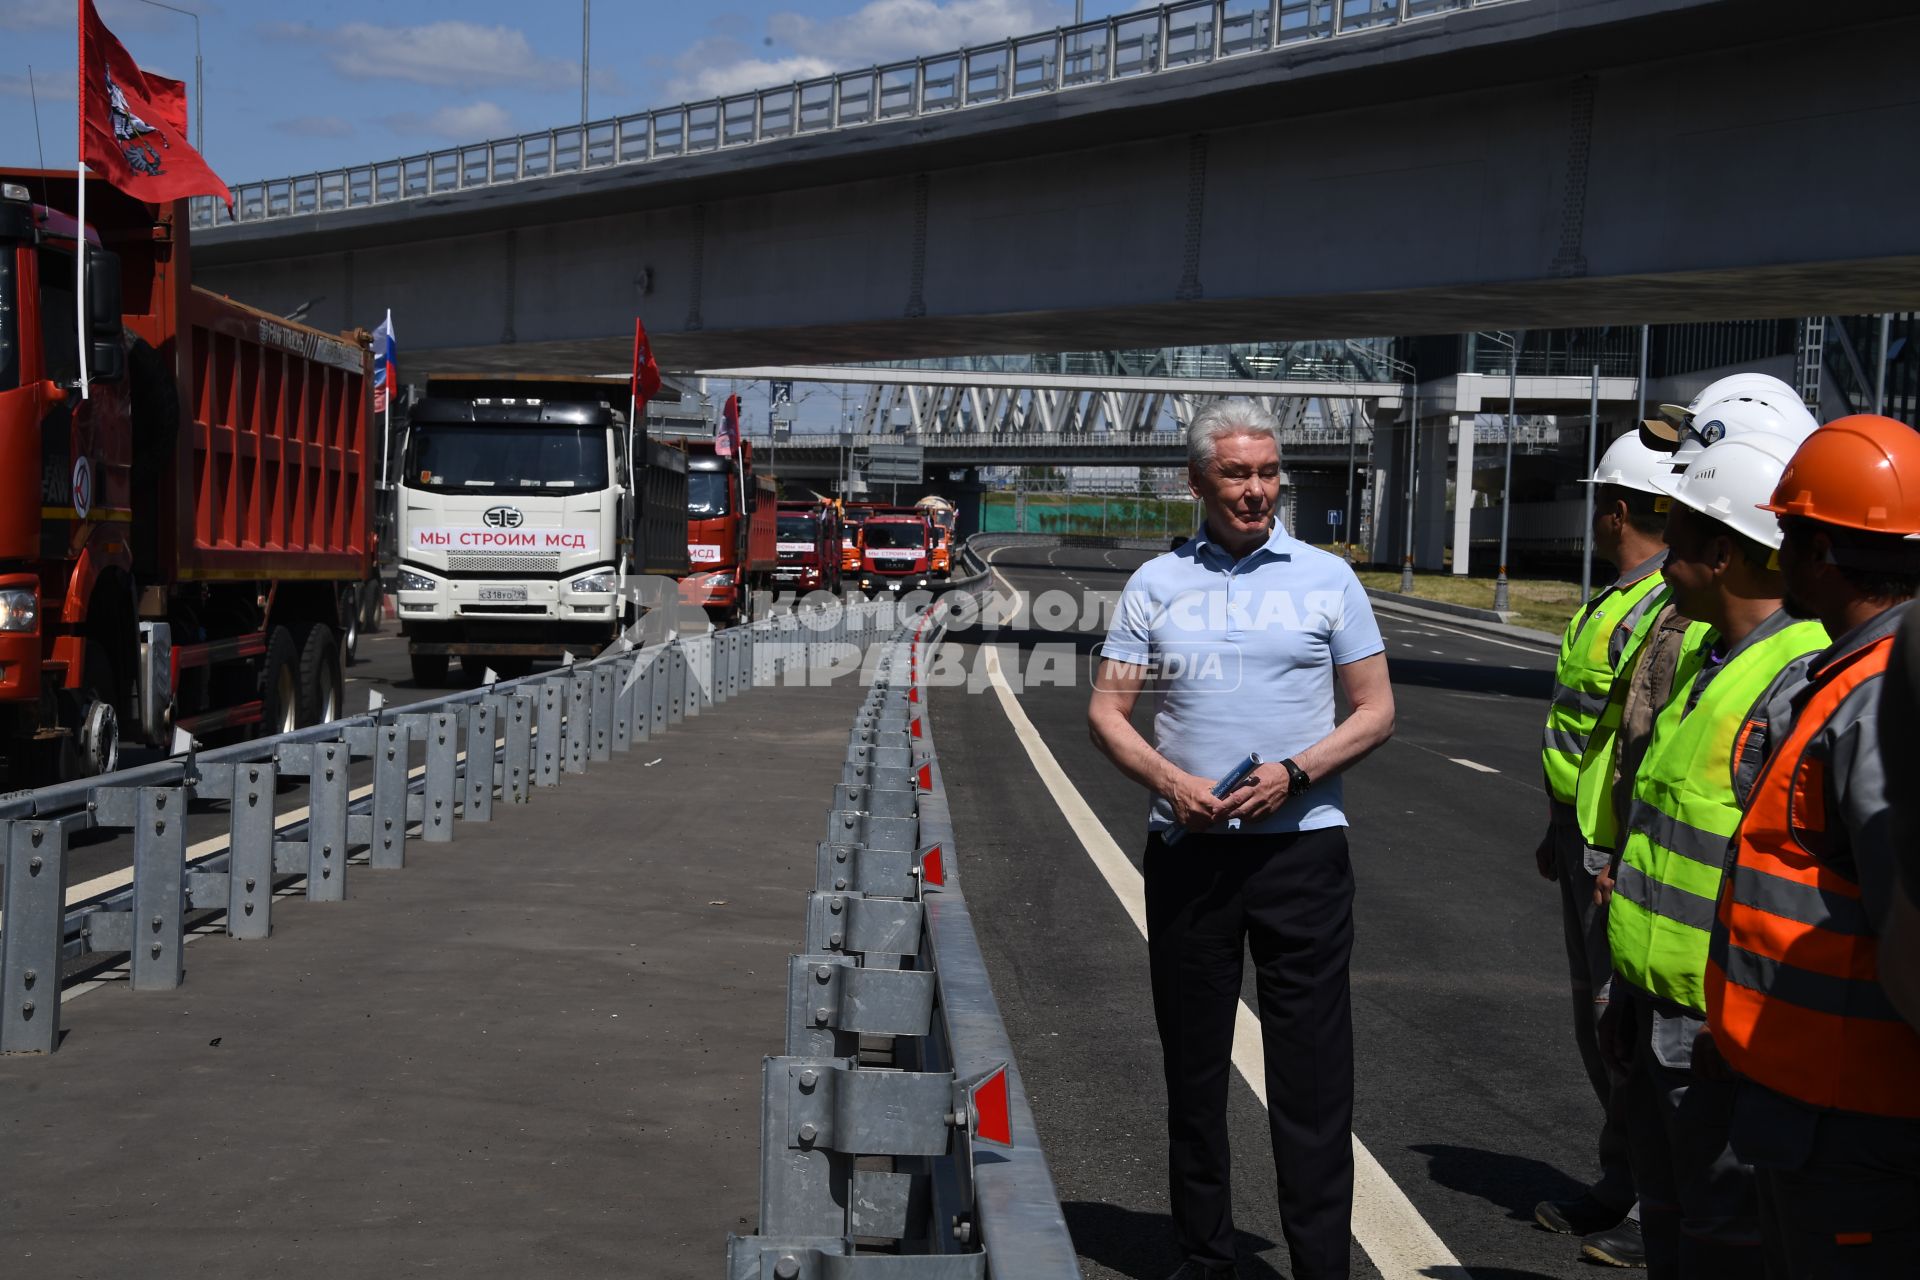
[
  {"x": 1475, "y": 765},
  {"x": 1019, "y": 601},
  {"x": 1390, "y": 1230},
  {"x": 1473, "y": 635},
  {"x": 1441, "y": 652}
]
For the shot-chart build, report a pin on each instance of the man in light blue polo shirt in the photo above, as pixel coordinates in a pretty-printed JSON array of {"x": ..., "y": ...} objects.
[{"x": 1242, "y": 634}]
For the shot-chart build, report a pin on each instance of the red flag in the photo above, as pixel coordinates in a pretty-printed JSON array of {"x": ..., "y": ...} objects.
[
  {"x": 726, "y": 438},
  {"x": 646, "y": 374},
  {"x": 133, "y": 126}
]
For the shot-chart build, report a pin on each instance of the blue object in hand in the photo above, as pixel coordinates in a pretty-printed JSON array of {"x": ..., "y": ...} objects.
[{"x": 1235, "y": 776}]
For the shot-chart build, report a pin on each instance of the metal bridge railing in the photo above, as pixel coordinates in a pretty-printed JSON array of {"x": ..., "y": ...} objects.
[
  {"x": 1144, "y": 43},
  {"x": 504, "y": 740},
  {"x": 897, "y": 1064}
]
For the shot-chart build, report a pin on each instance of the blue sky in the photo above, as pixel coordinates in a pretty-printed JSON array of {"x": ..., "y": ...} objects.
[{"x": 291, "y": 88}]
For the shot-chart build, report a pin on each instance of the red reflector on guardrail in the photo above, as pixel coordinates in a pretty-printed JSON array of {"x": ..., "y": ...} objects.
[
  {"x": 913, "y": 693},
  {"x": 933, "y": 867},
  {"x": 924, "y": 775},
  {"x": 992, "y": 1114},
  {"x": 915, "y": 726}
]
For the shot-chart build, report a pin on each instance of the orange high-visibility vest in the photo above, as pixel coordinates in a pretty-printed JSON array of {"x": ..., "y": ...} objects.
[{"x": 1793, "y": 974}]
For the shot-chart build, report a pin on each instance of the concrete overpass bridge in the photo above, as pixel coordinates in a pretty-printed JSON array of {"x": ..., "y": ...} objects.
[{"x": 1208, "y": 171}]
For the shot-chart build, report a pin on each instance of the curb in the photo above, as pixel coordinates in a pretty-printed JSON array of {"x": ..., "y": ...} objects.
[{"x": 1485, "y": 620}]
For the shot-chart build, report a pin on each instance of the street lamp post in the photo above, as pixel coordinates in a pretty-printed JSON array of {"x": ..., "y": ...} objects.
[
  {"x": 199, "y": 97},
  {"x": 1413, "y": 461}
]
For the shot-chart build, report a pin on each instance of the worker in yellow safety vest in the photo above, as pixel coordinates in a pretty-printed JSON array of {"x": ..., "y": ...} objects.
[
  {"x": 1628, "y": 520},
  {"x": 1699, "y": 1206}
]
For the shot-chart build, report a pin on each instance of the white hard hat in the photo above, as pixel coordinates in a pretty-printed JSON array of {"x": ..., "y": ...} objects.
[
  {"x": 1763, "y": 385},
  {"x": 1629, "y": 463},
  {"x": 1769, "y": 414},
  {"x": 1730, "y": 478}
]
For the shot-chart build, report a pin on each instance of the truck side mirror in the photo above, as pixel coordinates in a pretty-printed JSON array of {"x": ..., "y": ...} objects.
[{"x": 106, "y": 353}]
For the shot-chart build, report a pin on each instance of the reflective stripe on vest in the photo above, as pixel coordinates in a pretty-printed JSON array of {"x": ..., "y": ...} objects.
[
  {"x": 1685, "y": 812},
  {"x": 1593, "y": 781},
  {"x": 1590, "y": 651},
  {"x": 1793, "y": 991}
]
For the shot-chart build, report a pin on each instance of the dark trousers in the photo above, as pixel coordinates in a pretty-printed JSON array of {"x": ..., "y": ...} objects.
[
  {"x": 1290, "y": 899},
  {"x": 1589, "y": 965},
  {"x": 1699, "y": 1205}
]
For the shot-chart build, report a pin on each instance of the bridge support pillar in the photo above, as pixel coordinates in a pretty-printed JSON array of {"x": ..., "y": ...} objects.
[{"x": 1462, "y": 493}]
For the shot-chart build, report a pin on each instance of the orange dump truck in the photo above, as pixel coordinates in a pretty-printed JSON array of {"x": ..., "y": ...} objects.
[{"x": 180, "y": 547}]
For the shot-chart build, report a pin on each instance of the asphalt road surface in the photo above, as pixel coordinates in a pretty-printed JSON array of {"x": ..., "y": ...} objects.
[{"x": 1469, "y": 1090}]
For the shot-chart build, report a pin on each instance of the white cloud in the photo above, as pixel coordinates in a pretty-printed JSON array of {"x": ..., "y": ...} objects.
[
  {"x": 443, "y": 54},
  {"x": 887, "y": 29},
  {"x": 880, "y": 31},
  {"x": 468, "y": 122}
]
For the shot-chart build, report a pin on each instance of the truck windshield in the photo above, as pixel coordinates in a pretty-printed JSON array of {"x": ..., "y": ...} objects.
[
  {"x": 709, "y": 494},
  {"x": 9, "y": 323},
  {"x": 896, "y": 535},
  {"x": 468, "y": 457},
  {"x": 796, "y": 528}
]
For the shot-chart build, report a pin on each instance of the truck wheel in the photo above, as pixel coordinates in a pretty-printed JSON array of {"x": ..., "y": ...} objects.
[
  {"x": 98, "y": 738},
  {"x": 429, "y": 669},
  {"x": 279, "y": 684},
  {"x": 350, "y": 625},
  {"x": 323, "y": 687}
]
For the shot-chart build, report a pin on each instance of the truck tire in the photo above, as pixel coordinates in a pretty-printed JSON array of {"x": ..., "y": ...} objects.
[
  {"x": 429, "y": 670},
  {"x": 279, "y": 684},
  {"x": 349, "y": 625},
  {"x": 323, "y": 686}
]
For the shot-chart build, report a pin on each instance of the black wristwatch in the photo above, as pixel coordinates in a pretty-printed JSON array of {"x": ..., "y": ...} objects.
[{"x": 1298, "y": 782}]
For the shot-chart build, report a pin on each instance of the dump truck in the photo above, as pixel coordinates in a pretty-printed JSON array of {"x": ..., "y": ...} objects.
[
  {"x": 532, "y": 522},
  {"x": 732, "y": 534},
  {"x": 180, "y": 546}
]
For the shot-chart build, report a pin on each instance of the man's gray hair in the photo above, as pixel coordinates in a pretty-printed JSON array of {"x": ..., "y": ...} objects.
[{"x": 1236, "y": 417}]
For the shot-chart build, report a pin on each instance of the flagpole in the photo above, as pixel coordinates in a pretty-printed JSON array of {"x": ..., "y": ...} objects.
[{"x": 80, "y": 275}]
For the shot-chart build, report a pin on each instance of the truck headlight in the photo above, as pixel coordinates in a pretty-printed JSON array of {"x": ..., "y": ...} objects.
[
  {"x": 19, "y": 610},
  {"x": 596, "y": 584},
  {"x": 411, "y": 581}
]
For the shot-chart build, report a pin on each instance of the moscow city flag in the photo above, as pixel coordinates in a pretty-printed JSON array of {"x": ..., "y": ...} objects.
[
  {"x": 726, "y": 435},
  {"x": 133, "y": 126}
]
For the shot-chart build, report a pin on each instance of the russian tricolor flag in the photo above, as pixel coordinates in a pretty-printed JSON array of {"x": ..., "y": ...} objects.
[{"x": 385, "y": 352}]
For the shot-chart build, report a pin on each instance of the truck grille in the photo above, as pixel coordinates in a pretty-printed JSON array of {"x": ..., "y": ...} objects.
[{"x": 482, "y": 562}]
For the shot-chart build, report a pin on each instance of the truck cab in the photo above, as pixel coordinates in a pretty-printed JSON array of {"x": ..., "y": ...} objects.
[
  {"x": 520, "y": 522},
  {"x": 732, "y": 539},
  {"x": 896, "y": 554},
  {"x": 809, "y": 548}
]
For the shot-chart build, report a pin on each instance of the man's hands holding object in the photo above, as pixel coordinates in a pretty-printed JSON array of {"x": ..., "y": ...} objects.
[{"x": 1250, "y": 791}]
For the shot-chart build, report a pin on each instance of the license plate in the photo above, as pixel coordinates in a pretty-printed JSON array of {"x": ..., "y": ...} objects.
[{"x": 503, "y": 593}]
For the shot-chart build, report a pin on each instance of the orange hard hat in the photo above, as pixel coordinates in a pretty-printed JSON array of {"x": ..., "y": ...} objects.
[{"x": 1860, "y": 472}]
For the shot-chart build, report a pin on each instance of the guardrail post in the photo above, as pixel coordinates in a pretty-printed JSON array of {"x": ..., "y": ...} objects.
[
  {"x": 30, "y": 947},
  {"x": 700, "y": 675},
  {"x": 518, "y": 780},
  {"x": 159, "y": 887},
  {"x": 655, "y": 681},
  {"x": 250, "y": 851},
  {"x": 480, "y": 756},
  {"x": 330, "y": 788},
  {"x": 603, "y": 723},
  {"x": 549, "y": 744},
  {"x": 625, "y": 700},
  {"x": 388, "y": 850},
  {"x": 579, "y": 719},
  {"x": 719, "y": 653},
  {"x": 677, "y": 684},
  {"x": 443, "y": 763}
]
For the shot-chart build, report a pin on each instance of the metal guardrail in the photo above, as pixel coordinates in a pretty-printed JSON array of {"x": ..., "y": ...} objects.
[
  {"x": 895, "y": 1052},
  {"x": 518, "y": 736},
  {"x": 1147, "y": 42}
]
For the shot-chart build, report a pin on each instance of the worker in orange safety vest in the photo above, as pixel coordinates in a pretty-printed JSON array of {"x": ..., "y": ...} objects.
[{"x": 1828, "y": 1109}]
